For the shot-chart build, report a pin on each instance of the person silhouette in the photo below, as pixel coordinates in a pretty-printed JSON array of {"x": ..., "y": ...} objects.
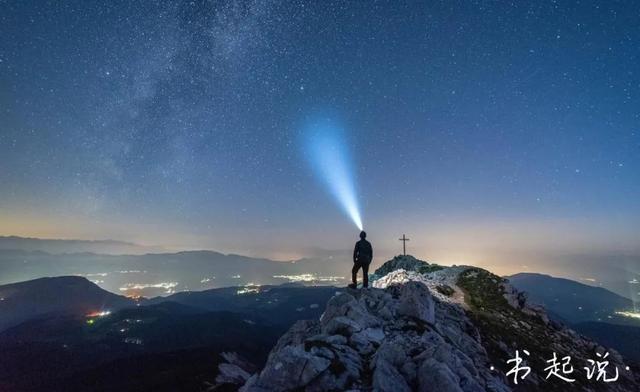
[{"x": 362, "y": 256}]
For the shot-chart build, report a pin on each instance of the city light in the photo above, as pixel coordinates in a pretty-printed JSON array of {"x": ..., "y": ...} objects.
[
  {"x": 99, "y": 314},
  {"x": 167, "y": 286},
  {"x": 309, "y": 278},
  {"x": 629, "y": 314},
  {"x": 248, "y": 289}
]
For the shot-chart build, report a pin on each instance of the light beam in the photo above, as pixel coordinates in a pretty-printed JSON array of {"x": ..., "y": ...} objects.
[{"x": 328, "y": 153}]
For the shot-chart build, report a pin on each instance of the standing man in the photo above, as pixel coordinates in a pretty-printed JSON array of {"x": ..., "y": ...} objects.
[{"x": 362, "y": 256}]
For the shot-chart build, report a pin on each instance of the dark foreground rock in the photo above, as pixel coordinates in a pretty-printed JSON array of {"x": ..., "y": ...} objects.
[
  {"x": 409, "y": 334},
  {"x": 394, "y": 339}
]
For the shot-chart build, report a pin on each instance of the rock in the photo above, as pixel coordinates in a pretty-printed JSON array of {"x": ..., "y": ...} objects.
[
  {"x": 436, "y": 376},
  {"x": 298, "y": 333},
  {"x": 322, "y": 352},
  {"x": 337, "y": 306},
  {"x": 445, "y": 289},
  {"x": 392, "y": 351},
  {"x": 372, "y": 335},
  {"x": 250, "y": 385},
  {"x": 234, "y": 371},
  {"x": 341, "y": 325},
  {"x": 350, "y": 363},
  {"x": 231, "y": 374},
  {"x": 366, "y": 340},
  {"x": 386, "y": 314},
  {"x": 416, "y": 301},
  {"x": 386, "y": 378},
  {"x": 361, "y": 344},
  {"x": 520, "y": 300},
  {"x": 346, "y": 305},
  {"x": 324, "y": 339},
  {"x": 405, "y": 335},
  {"x": 291, "y": 368}
]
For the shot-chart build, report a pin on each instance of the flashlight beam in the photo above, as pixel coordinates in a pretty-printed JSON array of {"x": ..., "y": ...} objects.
[{"x": 329, "y": 157}]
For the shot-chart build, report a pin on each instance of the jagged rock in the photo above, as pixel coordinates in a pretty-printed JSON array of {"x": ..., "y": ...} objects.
[
  {"x": 520, "y": 301},
  {"x": 445, "y": 289},
  {"x": 392, "y": 351},
  {"x": 404, "y": 335},
  {"x": 234, "y": 371},
  {"x": 341, "y": 325},
  {"x": 415, "y": 301},
  {"x": 436, "y": 376},
  {"x": 367, "y": 340},
  {"x": 293, "y": 368},
  {"x": 298, "y": 333},
  {"x": 386, "y": 378},
  {"x": 231, "y": 374},
  {"x": 370, "y": 335},
  {"x": 348, "y": 306},
  {"x": 324, "y": 339},
  {"x": 349, "y": 365},
  {"x": 361, "y": 344}
]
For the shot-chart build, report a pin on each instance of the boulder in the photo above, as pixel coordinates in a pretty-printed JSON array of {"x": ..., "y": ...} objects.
[
  {"x": 291, "y": 368},
  {"x": 341, "y": 325},
  {"x": 386, "y": 378},
  {"x": 416, "y": 302},
  {"x": 436, "y": 376}
]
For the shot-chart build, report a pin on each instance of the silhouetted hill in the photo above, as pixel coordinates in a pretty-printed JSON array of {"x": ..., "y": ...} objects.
[
  {"x": 163, "y": 347},
  {"x": 624, "y": 338},
  {"x": 277, "y": 304},
  {"x": 164, "y": 344},
  {"x": 572, "y": 301},
  {"x": 66, "y": 294}
]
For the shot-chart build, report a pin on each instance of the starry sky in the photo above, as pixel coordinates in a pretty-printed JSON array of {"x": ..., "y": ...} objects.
[{"x": 505, "y": 134}]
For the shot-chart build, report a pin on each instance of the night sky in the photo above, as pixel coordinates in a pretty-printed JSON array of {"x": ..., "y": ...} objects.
[{"x": 505, "y": 135}]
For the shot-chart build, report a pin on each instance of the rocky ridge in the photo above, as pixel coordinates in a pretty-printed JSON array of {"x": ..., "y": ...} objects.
[{"x": 427, "y": 328}]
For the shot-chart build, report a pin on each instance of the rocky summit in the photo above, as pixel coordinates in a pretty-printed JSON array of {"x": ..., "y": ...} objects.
[{"x": 424, "y": 327}]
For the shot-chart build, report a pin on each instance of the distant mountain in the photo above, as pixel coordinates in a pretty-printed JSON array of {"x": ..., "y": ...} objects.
[
  {"x": 276, "y": 304},
  {"x": 624, "y": 338},
  {"x": 420, "y": 326},
  {"x": 57, "y": 246},
  {"x": 66, "y": 294},
  {"x": 165, "y": 344},
  {"x": 571, "y": 301},
  {"x": 163, "y": 347},
  {"x": 165, "y": 273}
]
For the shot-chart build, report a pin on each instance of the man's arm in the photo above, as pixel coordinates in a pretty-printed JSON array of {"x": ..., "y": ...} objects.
[{"x": 355, "y": 253}]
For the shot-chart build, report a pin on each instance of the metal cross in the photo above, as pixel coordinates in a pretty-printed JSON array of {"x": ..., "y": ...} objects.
[{"x": 404, "y": 244}]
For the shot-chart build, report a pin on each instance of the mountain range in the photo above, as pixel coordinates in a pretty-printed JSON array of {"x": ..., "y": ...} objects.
[
  {"x": 66, "y": 333},
  {"x": 59, "y": 246},
  {"x": 153, "y": 274},
  {"x": 82, "y": 336}
]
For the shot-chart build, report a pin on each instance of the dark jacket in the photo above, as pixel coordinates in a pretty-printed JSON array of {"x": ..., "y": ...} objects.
[{"x": 363, "y": 252}]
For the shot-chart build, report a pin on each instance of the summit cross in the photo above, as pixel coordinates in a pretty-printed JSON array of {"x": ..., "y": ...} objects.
[{"x": 404, "y": 240}]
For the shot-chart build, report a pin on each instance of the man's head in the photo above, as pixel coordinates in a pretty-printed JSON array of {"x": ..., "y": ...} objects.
[{"x": 363, "y": 235}]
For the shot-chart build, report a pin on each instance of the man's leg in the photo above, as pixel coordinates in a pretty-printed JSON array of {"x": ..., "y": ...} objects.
[
  {"x": 354, "y": 273},
  {"x": 365, "y": 275}
]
